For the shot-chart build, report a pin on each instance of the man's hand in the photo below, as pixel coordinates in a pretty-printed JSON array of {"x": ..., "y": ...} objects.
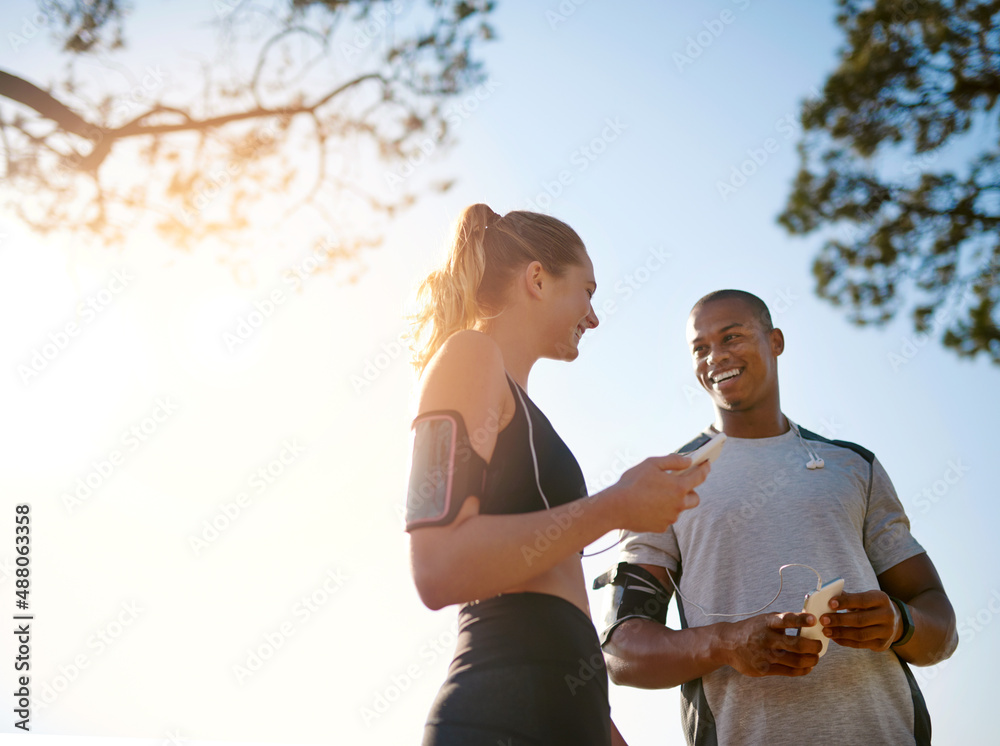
[
  {"x": 759, "y": 646},
  {"x": 870, "y": 621}
]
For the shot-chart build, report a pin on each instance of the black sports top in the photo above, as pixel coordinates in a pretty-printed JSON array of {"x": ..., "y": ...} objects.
[
  {"x": 446, "y": 468},
  {"x": 510, "y": 475}
]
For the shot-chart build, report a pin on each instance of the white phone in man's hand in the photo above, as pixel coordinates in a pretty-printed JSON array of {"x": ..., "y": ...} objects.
[{"x": 817, "y": 603}]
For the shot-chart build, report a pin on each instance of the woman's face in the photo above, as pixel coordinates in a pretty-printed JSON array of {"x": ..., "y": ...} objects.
[{"x": 571, "y": 312}]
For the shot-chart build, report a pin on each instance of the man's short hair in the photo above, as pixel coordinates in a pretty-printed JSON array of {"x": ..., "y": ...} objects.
[{"x": 758, "y": 306}]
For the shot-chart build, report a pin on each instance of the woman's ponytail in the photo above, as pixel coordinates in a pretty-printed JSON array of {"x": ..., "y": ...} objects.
[
  {"x": 448, "y": 298},
  {"x": 485, "y": 253}
]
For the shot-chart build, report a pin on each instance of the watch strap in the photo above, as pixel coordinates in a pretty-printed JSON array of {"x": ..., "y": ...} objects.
[{"x": 904, "y": 612}]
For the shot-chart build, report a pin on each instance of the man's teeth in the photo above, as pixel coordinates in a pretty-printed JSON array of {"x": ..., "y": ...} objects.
[{"x": 725, "y": 376}]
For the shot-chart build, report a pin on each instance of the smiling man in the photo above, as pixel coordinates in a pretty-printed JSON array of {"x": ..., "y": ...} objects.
[{"x": 778, "y": 494}]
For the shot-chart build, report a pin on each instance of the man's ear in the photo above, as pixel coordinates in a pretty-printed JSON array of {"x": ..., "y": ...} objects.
[
  {"x": 535, "y": 279},
  {"x": 777, "y": 342}
]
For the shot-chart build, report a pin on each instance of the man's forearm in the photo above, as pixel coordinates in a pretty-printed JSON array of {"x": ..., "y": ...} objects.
[
  {"x": 647, "y": 655},
  {"x": 934, "y": 635}
]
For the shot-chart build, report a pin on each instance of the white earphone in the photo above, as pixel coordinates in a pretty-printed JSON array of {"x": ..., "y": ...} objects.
[{"x": 814, "y": 462}]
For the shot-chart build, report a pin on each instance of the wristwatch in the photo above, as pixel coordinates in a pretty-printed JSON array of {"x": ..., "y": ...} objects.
[{"x": 904, "y": 612}]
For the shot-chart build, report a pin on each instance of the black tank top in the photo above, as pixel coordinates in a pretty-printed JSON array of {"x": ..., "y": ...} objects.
[{"x": 510, "y": 485}]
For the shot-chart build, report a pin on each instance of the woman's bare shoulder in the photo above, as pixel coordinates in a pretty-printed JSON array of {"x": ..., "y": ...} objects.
[{"x": 467, "y": 373}]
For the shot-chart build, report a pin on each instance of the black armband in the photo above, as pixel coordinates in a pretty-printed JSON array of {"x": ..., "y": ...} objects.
[
  {"x": 636, "y": 594},
  {"x": 444, "y": 472}
]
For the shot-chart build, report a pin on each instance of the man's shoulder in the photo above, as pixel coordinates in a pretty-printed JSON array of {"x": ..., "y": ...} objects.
[{"x": 860, "y": 450}]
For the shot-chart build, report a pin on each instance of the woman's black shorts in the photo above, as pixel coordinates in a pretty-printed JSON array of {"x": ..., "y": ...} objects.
[{"x": 528, "y": 669}]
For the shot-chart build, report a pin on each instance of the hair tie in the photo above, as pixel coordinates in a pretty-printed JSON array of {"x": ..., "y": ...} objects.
[{"x": 491, "y": 218}]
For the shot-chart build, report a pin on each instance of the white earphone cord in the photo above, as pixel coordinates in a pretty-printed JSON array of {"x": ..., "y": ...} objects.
[
  {"x": 621, "y": 536},
  {"x": 781, "y": 581},
  {"x": 815, "y": 462},
  {"x": 531, "y": 442},
  {"x": 534, "y": 461}
]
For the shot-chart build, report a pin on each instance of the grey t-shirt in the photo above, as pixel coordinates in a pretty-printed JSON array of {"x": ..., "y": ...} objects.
[{"x": 762, "y": 508}]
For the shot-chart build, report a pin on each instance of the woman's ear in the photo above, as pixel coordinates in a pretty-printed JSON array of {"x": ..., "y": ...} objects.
[{"x": 535, "y": 279}]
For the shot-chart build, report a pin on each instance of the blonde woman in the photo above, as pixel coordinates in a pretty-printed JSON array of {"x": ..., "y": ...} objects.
[{"x": 490, "y": 476}]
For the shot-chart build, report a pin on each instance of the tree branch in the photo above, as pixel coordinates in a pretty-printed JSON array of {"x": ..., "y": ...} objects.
[
  {"x": 134, "y": 130},
  {"x": 24, "y": 92},
  {"x": 30, "y": 95}
]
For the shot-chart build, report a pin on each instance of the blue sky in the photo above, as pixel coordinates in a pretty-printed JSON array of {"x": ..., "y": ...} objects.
[{"x": 590, "y": 116}]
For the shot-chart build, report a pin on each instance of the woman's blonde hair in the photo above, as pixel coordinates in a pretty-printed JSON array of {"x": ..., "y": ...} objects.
[{"x": 485, "y": 254}]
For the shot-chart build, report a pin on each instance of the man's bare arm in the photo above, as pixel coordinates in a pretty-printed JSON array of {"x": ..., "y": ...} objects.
[
  {"x": 872, "y": 621},
  {"x": 645, "y": 654}
]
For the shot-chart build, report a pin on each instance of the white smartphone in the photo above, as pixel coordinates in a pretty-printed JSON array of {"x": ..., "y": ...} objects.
[
  {"x": 818, "y": 603},
  {"x": 708, "y": 452}
]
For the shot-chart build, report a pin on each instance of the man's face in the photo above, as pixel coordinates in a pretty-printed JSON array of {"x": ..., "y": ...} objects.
[{"x": 734, "y": 358}]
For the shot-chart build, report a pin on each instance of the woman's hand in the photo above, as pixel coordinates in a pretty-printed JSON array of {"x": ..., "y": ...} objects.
[{"x": 652, "y": 494}]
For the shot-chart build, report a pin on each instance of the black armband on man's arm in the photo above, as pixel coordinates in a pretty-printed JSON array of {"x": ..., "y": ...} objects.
[
  {"x": 444, "y": 472},
  {"x": 636, "y": 594}
]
